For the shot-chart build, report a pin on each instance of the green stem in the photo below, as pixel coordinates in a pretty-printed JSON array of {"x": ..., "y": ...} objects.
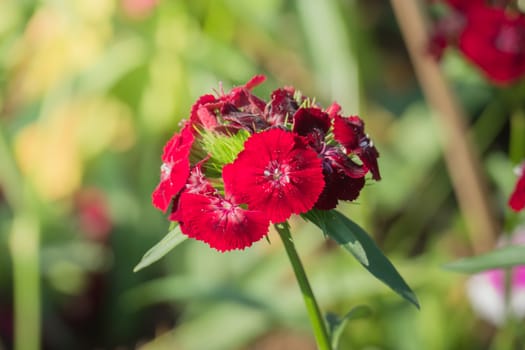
[
  {"x": 517, "y": 141},
  {"x": 24, "y": 244},
  {"x": 314, "y": 313}
]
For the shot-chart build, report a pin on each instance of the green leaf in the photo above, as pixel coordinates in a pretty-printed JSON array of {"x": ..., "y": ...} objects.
[
  {"x": 354, "y": 239},
  {"x": 165, "y": 245},
  {"x": 500, "y": 258},
  {"x": 336, "y": 325}
]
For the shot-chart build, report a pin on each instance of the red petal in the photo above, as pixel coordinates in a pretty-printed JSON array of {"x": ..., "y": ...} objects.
[
  {"x": 203, "y": 101},
  {"x": 219, "y": 222},
  {"x": 517, "y": 198},
  {"x": 254, "y": 81},
  {"x": 175, "y": 168},
  {"x": 333, "y": 110},
  {"x": 282, "y": 104}
]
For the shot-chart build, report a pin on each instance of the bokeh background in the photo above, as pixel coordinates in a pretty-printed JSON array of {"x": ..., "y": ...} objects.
[{"x": 91, "y": 90}]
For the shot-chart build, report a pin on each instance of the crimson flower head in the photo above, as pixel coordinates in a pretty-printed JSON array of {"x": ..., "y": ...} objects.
[
  {"x": 494, "y": 40},
  {"x": 241, "y": 163},
  {"x": 517, "y": 198},
  {"x": 488, "y": 34}
]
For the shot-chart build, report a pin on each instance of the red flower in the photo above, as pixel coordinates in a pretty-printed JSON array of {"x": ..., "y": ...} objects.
[
  {"x": 517, "y": 198},
  {"x": 276, "y": 173},
  {"x": 175, "y": 168},
  {"x": 220, "y": 222},
  {"x": 350, "y": 133},
  {"x": 494, "y": 40}
]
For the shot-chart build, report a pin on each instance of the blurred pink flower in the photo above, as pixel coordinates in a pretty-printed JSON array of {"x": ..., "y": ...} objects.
[
  {"x": 486, "y": 290},
  {"x": 138, "y": 9}
]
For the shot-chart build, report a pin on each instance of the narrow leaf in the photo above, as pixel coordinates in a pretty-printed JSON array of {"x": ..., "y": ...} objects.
[
  {"x": 353, "y": 238},
  {"x": 345, "y": 239},
  {"x": 505, "y": 257},
  {"x": 336, "y": 325},
  {"x": 165, "y": 245}
]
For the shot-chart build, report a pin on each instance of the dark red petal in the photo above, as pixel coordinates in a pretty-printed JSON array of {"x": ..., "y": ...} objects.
[
  {"x": 465, "y": 5},
  {"x": 275, "y": 173},
  {"x": 348, "y": 131},
  {"x": 337, "y": 161},
  {"x": 339, "y": 187},
  {"x": 219, "y": 222},
  {"x": 368, "y": 156},
  {"x": 175, "y": 168},
  {"x": 281, "y": 106},
  {"x": 241, "y": 98},
  {"x": 517, "y": 198},
  {"x": 247, "y": 121},
  {"x": 307, "y": 120}
]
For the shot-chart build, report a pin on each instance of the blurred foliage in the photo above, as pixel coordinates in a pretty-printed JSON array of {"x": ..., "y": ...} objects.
[{"x": 90, "y": 91}]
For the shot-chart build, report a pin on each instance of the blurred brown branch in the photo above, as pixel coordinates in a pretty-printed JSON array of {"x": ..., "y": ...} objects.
[{"x": 462, "y": 161}]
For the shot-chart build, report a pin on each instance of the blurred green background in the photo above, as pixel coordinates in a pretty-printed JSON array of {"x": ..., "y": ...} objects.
[{"x": 91, "y": 90}]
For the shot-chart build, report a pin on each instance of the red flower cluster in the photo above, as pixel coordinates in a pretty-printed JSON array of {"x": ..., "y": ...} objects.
[
  {"x": 265, "y": 162},
  {"x": 490, "y": 36},
  {"x": 517, "y": 198}
]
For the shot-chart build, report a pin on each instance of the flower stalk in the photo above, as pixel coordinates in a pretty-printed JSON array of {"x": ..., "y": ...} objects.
[{"x": 314, "y": 313}]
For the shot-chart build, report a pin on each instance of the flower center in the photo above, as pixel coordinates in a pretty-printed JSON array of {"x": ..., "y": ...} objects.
[
  {"x": 227, "y": 211},
  {"x": 277, "y": 173}
]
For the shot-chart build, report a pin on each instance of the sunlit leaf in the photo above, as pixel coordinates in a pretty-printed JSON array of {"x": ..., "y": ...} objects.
[
  {"x": 337, "y": 324},
  {"x": 500, "y": 258},
  {"x": 354, "y": 239},
  {"x": 165, "y": 245}
]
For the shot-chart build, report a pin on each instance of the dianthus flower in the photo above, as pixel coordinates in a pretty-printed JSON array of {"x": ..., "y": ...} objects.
[
  {"x": 489, "y": 36},
  {"x": 241, "y": 163},
  {"x": 220, "y": 221},
  {"x": 276, "y": 173},
  {"x": 494, "y": 40},
  {"x": 517, "y": 198},
  {"x": 492, "y": 296}
]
